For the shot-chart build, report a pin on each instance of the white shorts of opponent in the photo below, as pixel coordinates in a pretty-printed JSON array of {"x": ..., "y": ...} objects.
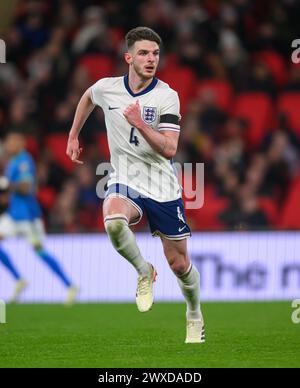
[{"x": 33, "y": 231}]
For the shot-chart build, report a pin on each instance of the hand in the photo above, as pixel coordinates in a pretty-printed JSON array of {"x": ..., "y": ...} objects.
[
  {"x": 133, "y": 114},
  {"x": 73, "y": 150}
]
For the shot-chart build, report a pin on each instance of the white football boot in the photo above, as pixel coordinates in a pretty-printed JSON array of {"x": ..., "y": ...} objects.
[
  {"x": 19, "y": 288},
  {"x": 72, "y": 293},
  {"x": 195, "y": 331},
  {"x": 144, "y": 292}
]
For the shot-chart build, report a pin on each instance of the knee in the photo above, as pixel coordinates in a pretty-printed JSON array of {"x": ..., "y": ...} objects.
[
  {"x": 37, "y": 248},
  {"x": 41, "y": 253},
  {"x": 179, "y": 265},
  {"x": 115, "y": 227}
]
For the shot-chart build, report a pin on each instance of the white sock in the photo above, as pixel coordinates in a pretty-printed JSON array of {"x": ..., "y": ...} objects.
[
  {"x": 190, "y": 287},
  {"x": 124, "y": 242}
]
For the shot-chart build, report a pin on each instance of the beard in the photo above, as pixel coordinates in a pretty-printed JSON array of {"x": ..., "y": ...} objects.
[{"x": 141, "y": 74}]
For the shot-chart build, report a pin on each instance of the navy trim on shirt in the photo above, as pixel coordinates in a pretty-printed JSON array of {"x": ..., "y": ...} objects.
[{"x": 146, "y": 90}]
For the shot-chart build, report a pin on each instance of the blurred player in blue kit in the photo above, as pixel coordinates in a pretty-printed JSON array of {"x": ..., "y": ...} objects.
[{"x": 20, "y": 213}]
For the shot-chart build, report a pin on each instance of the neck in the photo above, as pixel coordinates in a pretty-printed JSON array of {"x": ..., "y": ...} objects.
[
  {"x": 16, "y": 153},
  {"x": 136, "y": 83}
]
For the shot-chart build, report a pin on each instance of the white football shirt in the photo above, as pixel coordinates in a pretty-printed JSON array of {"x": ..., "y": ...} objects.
[{"x": 135, "y": 163}]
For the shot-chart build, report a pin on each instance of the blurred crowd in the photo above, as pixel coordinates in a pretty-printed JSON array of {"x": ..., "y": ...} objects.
[{"x": 230, "y": 62}]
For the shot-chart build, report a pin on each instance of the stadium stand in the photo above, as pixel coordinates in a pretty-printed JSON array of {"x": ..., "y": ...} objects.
[{"x": 239, "y": 92}]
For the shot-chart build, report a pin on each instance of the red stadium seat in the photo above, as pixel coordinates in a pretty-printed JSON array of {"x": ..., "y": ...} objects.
[
  {"x": 270, "y": 209},
  {"x": 103, "y": 145},
  {"x": 32, "y": 146},
  {"x": 256, "y": 108},
  {"x": 116, "y": 35},
  {"x": 97, "y": 66},
  {"x": 182, "y": 79},
  {"x": 275, "y": 63},
  {"x": 168, "y": 60},
  {"x": 46, "y": 196},
  {"x": 207, "y": 217},
  {"x": 291, "y": 212},
  {"x": 221, "y": 89},
  {"x": 289, "y": 104},
  {"x": 57, "y": 144}
]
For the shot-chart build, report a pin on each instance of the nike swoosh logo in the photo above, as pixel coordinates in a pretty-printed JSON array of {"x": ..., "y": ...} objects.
[
  {"x": 181, "y": 229},
  {"x": 113, "y": 107}
]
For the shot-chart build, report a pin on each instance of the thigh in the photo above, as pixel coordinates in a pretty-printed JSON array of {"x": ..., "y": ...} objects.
[
  {"x": 116, "y": 205},
  {"x": 177, "y": 248},
  {"x": 38, "y": 234},
  {"x": 33, "y": 231},
  {"x": 7, "y": 226}
]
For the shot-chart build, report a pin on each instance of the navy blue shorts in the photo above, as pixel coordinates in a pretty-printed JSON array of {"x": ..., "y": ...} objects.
[{"x": 165, "y": 218}]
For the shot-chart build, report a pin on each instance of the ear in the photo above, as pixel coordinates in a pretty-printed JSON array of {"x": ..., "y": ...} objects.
[{"x": 128, "y": 58}]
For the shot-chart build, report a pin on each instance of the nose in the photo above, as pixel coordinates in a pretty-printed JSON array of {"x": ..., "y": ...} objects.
[{"x": 151, "y": 57}]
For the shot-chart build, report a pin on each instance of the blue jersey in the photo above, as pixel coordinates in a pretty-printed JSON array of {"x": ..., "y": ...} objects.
[{"x": 23, "y": 207}]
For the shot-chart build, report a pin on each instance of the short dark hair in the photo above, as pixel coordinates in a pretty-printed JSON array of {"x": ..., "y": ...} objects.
[
  {"x": 16, "y": 131},
  {"x": 141, "y": 33}
]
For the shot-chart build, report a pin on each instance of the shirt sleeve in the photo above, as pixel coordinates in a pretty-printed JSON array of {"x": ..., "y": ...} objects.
[
  {"x": 170, "y": 114},
  {"x": 97, "y": 92}
]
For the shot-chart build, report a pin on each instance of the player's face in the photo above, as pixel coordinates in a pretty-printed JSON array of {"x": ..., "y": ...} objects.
[
  {"x": 144, "y": 57},
  {"x": 14, "y": 143}
]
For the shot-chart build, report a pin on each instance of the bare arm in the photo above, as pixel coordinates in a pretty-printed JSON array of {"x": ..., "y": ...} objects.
[
  {"x": 165, "y": 142},
  {"x": 21, "y": 187},
  {"x": 83, "y": 110}
]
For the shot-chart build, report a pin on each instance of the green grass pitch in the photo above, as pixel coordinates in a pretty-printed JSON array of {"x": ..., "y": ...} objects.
[{"x": 117, "y": 335}]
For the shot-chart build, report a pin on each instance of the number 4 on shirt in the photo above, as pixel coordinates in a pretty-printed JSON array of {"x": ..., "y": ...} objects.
[{"x": 133, "y": 138}]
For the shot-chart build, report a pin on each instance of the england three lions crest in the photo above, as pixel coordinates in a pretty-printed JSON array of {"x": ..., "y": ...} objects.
[{"x": 149, "y": 114}]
